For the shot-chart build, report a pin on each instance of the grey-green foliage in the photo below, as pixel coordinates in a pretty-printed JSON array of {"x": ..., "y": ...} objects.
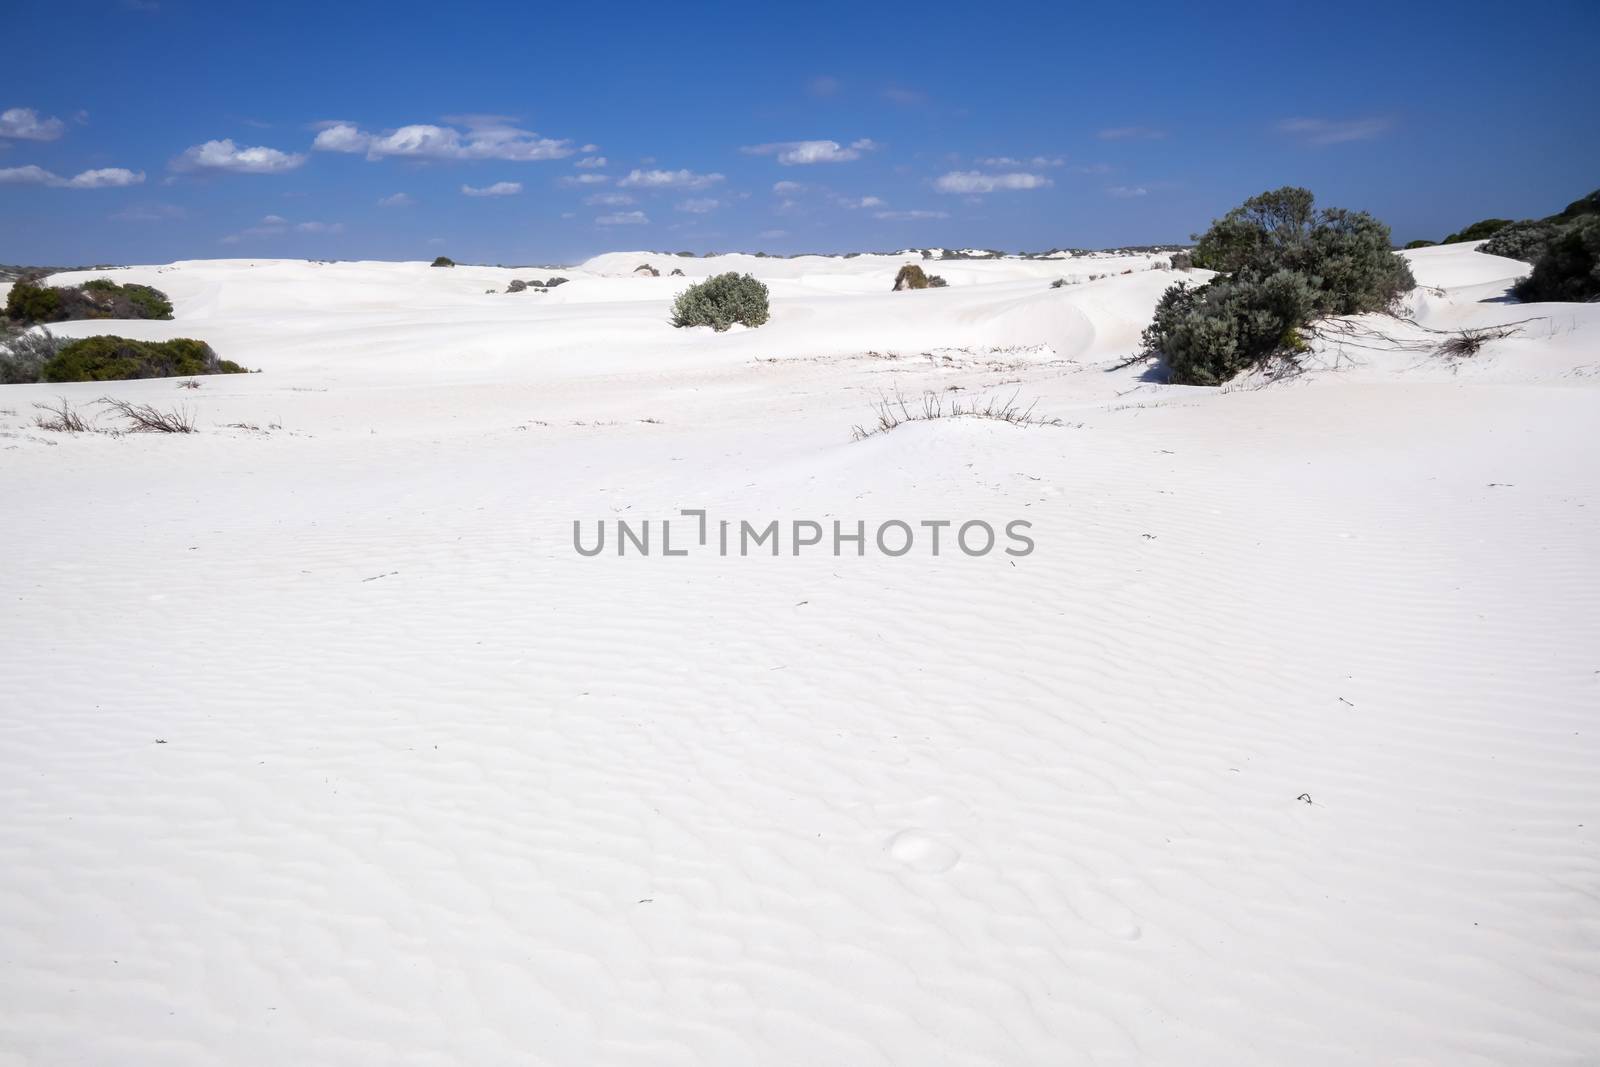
[
  {"x": 1525, "y": 240},
  {"x": 1284, "y": 264},
  {"x": 22, "y": 358},
  {"x": 720, "y": 301},
  {"x": 1568, "y": 268}
]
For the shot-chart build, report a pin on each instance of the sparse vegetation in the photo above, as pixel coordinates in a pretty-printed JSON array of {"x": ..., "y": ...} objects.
[
  {"x": 936, "y": 282},
  {"x": 897, "y": 410},
  {"x": 1465, "y": 343},
  {"x": 721, "y": 301},
  {"x": 645, "y": 268},
  {"x": 517, "y": 285},
  {"x": 147, "y": 418},
  {"x": 553, "y": 282},
  {"x": 60, "y": 417},
  {"x": 443, "y": 261},
  {"x": 1418, "y": 244},
  {"x": 677, "y": 272},
  {"x": 1182, "y": 261},
  {"x": 1478, "y": 231},
  {"x": 108, "y": 358},
  {"x": 1284, "y": 264}
]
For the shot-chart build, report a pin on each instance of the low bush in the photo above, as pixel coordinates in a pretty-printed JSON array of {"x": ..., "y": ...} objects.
[
  {"x": 721, "y": 301},
  {"x": 1419, "y": 244},
  {"x": 677, "y": 272},
  {"x": 1478, "y": 231},
  {"x": 1568, "y": 268},
  {"x": 443, "y": 261},
  {"x": 936, "y": 282},
  {"x": 29, "y": 303},
  {"x": 516, "y": 286},
  {"x": 107, "y": 359},
  {"x": 911, "y": 276},
  {"x": 1284, "y": 264},
  {"x": 24, "y": 356},
  {"x": 1182, "y": 261},
  {"x": 645, "y": 268},
  {"x": 553, "y": 282}
]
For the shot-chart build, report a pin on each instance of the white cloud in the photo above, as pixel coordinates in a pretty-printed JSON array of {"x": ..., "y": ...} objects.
[
  {"x": 585, "y": 179},
  {"x": 863, "y": 202},
  {"x": 787, "y": 188},
  {"x": 319, "y": 227},
  {"x": 1334, "y": 131},
  {"x": 25, "y": 124},
  {"x": 623, "y": 218},
  {"x": 669, "y": 179},
  {"x": 397, "y": 200},
  {"x": 591, "y": 162},
  {"x": 105, "y": 178},
  {"x": 224, "y": 155},
  {"x": 699, "y": 205},
  {"x": 497, "y": 189},
  {"x": 608, "y": 200},
  {"x": 971, "y": 181},
  {"x": 909, "y": 216},
  {"x": 485, "y": 137},
  {"x": 1131, "y": 133},
  {"x": 1127, "y": 192},
  {"x": 799, "y": 153}
]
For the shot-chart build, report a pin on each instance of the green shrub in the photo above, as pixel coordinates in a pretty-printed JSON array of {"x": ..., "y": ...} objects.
[
  {"x": 1182, "y": 261},
  {"x": 553, "y": 282},
  {"x": 721, "y": 301},
  {"x": 443, "y": 261},
  {"x": 1285, "y": 264},
  {"x": 1478, "y": 231},
  {"x": 1569, "y": 267},
  {"x": 911, "y": 276},
  {"x": 95, "y": 299},
  {"x": 106, "y": 359},
  {"x": 936, "y": 282},
  {"x": 1525, "y": 240},
  {"x": 30, "y": 303},
  {"x": 1419, "y": 243},
  {"x": 517, "y": 285}
]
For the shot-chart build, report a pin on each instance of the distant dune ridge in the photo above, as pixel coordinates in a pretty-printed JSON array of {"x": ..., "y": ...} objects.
[{"x": 322, "y": 744}]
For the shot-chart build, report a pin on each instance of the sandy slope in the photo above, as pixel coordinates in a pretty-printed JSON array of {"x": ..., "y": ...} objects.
[{"x": 431, "y": 788}]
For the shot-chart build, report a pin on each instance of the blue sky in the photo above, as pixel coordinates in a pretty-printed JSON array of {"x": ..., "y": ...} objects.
[{"x": 152, "y": 130}]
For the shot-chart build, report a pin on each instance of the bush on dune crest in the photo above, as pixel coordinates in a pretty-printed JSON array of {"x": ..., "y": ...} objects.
[
  {"x": 1284, "y": 264},
  {"x": 721, "y": 301},
  {"x": 29, "y": 302},
  {"x": 1561, "y": 248}
]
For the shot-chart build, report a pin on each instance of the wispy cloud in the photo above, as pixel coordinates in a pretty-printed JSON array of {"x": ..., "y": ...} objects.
[
  {"x": 585, "y": 179},
  {"x": 150, "y": 213},
  {"x": 699, "y": 206},
  {"x": 971, "y": 181},
  {"x": 824, "y": 85},
  {"x": 1011, "y": 161},
  {"x": 862, "y": 202},
  {"x": 1131, "y": 133},
  {"x": 772, "y": 235},
  {"x": 787, "y": 188},
  {"x": 105, "y": 178},
  {"x": 669, "y": 179},
  {"x": 397, "y": 200},
  {"x": 24, "y": 124},
  {"x": 898, "y": 94},
  {"x": 1334, "y": 131},
  {"x": 1127, "y": 192},
  {"x": 225, "y": 156},
  {"x": 801, "y": 153},
  {"x": 484, "y": 137},
  {"x": 277, "y": 226},
  {"x": 623, "y": 218},
  {"x": 909, "y": 216},
  {"x": 497, "y": 189},
  {"x": 608, "y": 200},
  {"x": 591, "y": 162}
]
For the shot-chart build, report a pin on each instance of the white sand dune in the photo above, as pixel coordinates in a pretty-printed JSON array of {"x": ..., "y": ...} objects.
[{"x": 322, "y": 744}]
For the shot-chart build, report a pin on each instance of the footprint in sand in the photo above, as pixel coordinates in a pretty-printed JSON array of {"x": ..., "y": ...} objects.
[{"x": 922, "y": 853}]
